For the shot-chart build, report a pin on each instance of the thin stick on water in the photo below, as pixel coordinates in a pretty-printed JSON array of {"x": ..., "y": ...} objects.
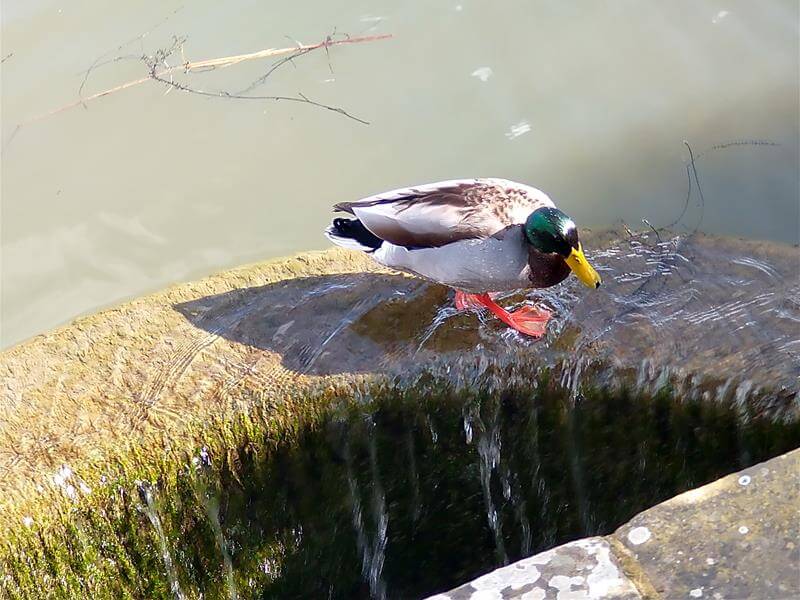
[
  {"x": 736, "y": 143},
  {"x": 104, "y": 60},
  {"x": 653, "y": 229},
  {"x": 691, "y": 172},
  {"x": 212, "y": 64},
  {"x": 686, "y": 200},
  {"x": 699, "y": 189},
  {"x": 278, "y": 64},
  {"x": 299, "y": 98}
]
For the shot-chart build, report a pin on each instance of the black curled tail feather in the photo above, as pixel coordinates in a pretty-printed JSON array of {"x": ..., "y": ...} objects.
[
  {"x": 355, "y": 230},
  {"x": 351, "y": 233}
]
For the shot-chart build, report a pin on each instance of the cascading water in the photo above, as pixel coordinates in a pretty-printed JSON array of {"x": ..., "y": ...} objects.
[
  {"x": 146, "y": 495},
  {"x": 373, "y": 552},
  {"x": 488, "y": 447},
  {"x": 565, "y": 437},
  {"x": 365, "y": 496},
  {"x": 381, "y": 517},
  {"x": 210, "y": 502}
]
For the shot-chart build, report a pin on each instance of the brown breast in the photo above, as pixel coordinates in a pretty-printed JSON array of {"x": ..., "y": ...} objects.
[{"x": 546, "y": 269}]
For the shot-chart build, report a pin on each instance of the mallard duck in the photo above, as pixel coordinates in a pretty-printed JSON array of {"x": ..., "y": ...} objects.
[{"x": 477, "y": 236}]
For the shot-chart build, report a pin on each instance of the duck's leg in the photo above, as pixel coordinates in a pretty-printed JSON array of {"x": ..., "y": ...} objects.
[
  {"x": 528, "y": 319},
  {"x": 464, "y": 301}
]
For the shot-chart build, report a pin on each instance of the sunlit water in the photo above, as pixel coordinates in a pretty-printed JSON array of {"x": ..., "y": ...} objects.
[{"x": 142, "y": 189}]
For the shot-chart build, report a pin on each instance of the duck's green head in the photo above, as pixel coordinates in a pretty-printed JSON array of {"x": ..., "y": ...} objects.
[{"x": 551, "y": 231}]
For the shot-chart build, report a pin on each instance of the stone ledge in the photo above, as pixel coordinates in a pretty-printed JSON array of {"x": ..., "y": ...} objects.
[
  {"x": 581, "y": 570},
  {"x": 733, "y": 539},
  {"x": 737, "y": 537},
  {"x": 133, "y": 376}
]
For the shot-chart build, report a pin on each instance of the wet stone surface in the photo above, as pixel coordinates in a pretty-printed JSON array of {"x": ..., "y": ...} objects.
[
  {"x": 517, "y": 458},
  {"x": 700, "y": 305},
  {"x": 737, "y": 537},
  {"x": 581, "y": 570}
]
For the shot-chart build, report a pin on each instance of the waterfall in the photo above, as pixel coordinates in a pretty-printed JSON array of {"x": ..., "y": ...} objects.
[
  {"x": 376, "y": 584},
  {"x": 488, "y": 446},
  {"x": 210, "y": 503},
  {"x": 412, "y": 476},
  {"x": 373, "y": 553},
  {"x": 146, "y": 495}
]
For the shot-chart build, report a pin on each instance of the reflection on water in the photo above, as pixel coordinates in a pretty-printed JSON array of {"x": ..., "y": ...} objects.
[
  {"x": 141, "y": 189},
  {"x": 401, "y": 493}
]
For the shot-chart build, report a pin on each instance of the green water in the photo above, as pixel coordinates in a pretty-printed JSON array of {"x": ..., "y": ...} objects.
[{"x": 402, "y": 494}]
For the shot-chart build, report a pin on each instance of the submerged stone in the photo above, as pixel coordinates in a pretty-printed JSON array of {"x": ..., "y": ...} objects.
[
  {"x": 320, "y": 414},
  {"x": 707, "y": 306}
]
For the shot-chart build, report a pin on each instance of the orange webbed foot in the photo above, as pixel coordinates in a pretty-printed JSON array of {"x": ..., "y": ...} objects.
[
  {"x": 530, "y": 320},
  {"x": 527, "y": 319}
]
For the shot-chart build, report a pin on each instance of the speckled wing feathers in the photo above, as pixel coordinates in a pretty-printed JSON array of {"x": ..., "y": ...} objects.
[{"x": 437, "y": 214}]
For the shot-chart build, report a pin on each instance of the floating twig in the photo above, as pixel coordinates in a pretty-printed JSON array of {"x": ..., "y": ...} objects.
[
  {"x": 212, "y": 64},
  {"x": 99, "y": 62},
  {"x": 692, "y": 173},
  {"x": 739, "y": 143},
  {"x": 653, "y": 229},
  {"x": 699, "y": 189},
  {"x": 299, "y": 98}
]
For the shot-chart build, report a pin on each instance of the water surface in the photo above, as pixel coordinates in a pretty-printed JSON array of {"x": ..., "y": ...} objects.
[{"x": 142, "y": 189}]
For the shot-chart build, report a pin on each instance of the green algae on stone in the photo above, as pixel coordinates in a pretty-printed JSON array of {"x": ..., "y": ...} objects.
[
  {"x": 412, "y": 459},
  {"x": 635, "y": 394}
]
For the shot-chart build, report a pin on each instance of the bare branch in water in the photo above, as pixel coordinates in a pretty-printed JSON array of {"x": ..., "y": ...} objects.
[
  {"x": 100, "y": 62},
  {"x": 691, "y": 173},
  {"x": 738, "y": 143},
  {"x": 276, "y": 65},
  {"x": 299, "y": 98},
  {"x": 686, "y": 201},
  {"x": 159, "y": 70},
  {"x": 699, "y": 189},
  {"x": 653, "y": 229},
  {"x": 628, "y": 230}
]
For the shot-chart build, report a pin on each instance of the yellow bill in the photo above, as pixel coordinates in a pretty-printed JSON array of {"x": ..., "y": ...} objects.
[{"x": 582, "y": 269}]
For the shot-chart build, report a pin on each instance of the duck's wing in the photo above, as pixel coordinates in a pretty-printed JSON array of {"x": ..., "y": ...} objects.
[{"x": 436, "y": 214}]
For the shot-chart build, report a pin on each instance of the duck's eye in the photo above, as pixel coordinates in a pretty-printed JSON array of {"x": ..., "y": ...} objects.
[{"x": 571, "y": 235}]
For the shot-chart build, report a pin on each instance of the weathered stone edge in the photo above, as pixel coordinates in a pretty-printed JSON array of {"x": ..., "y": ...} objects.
[
  {"x": 518, "y": 580},
  {"x": 632, "y": 569}
]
